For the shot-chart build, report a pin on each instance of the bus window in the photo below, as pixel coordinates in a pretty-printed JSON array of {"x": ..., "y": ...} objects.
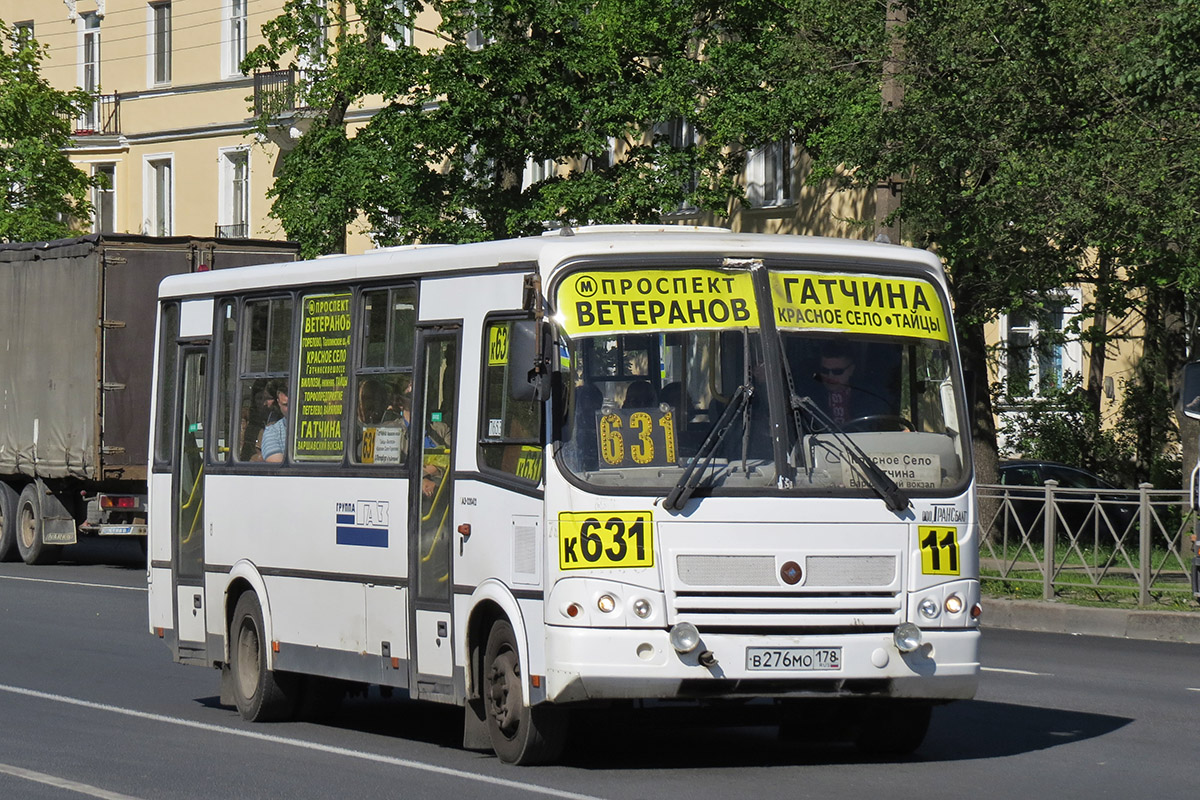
[
  {"x": 265, "y": 360},
  {"x": 168, "y": 353},
  {"x": 383, "y": 377},
  {"x": 510, "y": 439},
  {"x": 226, "y": 374}
]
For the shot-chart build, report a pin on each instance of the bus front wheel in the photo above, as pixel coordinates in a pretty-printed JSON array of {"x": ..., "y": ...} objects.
[
  {"x": 520, "y": 734},
  {"x": 261, "y": 695}
]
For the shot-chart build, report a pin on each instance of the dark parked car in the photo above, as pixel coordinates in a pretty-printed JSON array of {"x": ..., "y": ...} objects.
[{"x": 1112, "y": 507}]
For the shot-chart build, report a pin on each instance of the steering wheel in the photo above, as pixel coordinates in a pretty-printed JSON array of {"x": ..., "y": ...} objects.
[{"x": 879, "y": 422}]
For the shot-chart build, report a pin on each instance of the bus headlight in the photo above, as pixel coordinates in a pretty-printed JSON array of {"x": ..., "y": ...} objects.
[
  {"x": 929, "y": 608},
  {"x": 606, "y": 603},
  {"x": 685, "y": 638},
  {"x": 954, "y": 604},
  {"x": 642, "y": 607},
  {"x": 907, "y": 637}
]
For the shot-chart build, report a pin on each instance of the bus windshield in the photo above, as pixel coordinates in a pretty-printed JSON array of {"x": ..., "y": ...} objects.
[{"x": 667, "y": 382}]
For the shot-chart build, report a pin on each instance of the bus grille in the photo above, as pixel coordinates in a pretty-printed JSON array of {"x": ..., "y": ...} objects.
[{"x": 741, "y": 592}]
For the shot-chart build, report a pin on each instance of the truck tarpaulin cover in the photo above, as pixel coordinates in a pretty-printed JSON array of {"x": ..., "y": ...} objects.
[
  {"x": 77, "y": 344},
  {"x": 48, "y": 380}
]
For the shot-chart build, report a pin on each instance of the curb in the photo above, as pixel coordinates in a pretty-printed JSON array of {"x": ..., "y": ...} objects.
[{"x": 1052, "y": 617}]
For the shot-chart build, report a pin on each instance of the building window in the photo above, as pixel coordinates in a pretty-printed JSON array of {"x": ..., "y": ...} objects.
[
  {"x": 769, "y": 172},
  {"x": 536, "y": 172},
  {"x": 1037, "y": 352},
  {"x": 89, "y": 67},
  {"x": 234, "y": 44},
  {"x": 159, "y": 199},
  {"x": 104, "y": 199},
  {"x": 680, "y": 134},
  {"x": 160, "y": 43},
  {"x": 234, "y": 214},
  {"x": 401, "y": 34},
  {"x": 22, "y": 34}
]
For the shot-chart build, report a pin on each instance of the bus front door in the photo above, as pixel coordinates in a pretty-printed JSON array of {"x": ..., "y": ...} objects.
[
  {"x": 187, "y": 557},
  {"x": 431, "y": 504}
]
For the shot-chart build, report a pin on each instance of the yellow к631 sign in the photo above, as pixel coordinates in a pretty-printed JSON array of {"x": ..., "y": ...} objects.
[{"x": 605, "y": 539}]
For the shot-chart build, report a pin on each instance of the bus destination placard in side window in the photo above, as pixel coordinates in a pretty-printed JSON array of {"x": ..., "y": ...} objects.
[{"x": 323, "y": 377}]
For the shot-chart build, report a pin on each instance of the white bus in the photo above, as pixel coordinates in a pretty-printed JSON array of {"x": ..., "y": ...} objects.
[{"x": 596, "y": 466}]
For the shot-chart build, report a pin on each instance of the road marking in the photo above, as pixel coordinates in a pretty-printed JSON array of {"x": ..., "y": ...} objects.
[
  {"x": 1190, "y": 689},
  {"x": 62, "y": 783},
  {"x": 323, "y": 748},
  {"x": 74, "y": 583},
  {"x": 1016, "y": 672}
]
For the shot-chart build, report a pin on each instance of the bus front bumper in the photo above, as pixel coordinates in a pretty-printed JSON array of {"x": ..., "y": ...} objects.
[{"x": 603, "y": 664}]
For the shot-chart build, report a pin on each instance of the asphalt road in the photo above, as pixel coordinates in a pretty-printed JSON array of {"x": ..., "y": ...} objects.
[{"x": 92, "y": 706}]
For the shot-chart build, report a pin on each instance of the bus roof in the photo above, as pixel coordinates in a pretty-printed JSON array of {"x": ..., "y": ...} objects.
[{"x": 547, "y": 251}]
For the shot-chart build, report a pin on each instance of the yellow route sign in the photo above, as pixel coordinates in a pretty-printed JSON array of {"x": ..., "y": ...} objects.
[
  {"x": 599, "y": 302},
  {"x": 858, "y": 304}
]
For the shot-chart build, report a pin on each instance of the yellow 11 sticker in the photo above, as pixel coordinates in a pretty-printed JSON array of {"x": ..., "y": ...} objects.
[{"x": 939, "y": 549}]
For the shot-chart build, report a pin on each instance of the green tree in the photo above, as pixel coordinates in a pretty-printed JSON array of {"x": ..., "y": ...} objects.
[
  {"x": 41, "y": 191},
  {"x": 508, "y": 84},
  {"x": 1027, "y": 137}
]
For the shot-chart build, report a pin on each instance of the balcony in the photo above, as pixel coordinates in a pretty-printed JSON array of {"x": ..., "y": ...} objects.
[
  {"x": 277, "y": 93},
  {"x": 236, "y": 230},
  {"x": 101, "y": 118},
  {"x": 279, "y": 98}
]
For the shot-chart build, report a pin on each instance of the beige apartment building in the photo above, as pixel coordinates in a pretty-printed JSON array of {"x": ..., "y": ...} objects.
[{"x": 172, "y": 129}]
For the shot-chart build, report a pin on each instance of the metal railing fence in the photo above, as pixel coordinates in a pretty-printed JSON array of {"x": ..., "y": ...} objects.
[{"x": 1109, "y": 545}]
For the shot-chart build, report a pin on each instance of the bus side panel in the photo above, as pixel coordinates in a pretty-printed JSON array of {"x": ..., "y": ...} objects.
[
  {"x": 319, "y": 543},
  {"x": 506, "y": 545}
]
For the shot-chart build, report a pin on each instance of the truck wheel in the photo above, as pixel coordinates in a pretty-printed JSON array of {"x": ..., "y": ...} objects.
[
  {"x": 29, "y": 528},
  {"x": 261, "y": 695},
  {"x": 520, "y": 734},
  {"x": 8, "y": 523}
]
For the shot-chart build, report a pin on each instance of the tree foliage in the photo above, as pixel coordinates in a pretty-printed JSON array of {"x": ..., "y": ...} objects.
[
  {"x": 41, "y": 191},
  {"x": 507, "y": 84},
  {"x": 1036, "y": 143}
]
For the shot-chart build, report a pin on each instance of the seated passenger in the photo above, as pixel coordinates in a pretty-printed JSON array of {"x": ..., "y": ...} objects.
[{"x": 640, "y": 394}]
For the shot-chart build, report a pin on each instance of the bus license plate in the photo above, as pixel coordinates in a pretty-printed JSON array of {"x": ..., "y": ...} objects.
[{"x": 794, "y": 658}]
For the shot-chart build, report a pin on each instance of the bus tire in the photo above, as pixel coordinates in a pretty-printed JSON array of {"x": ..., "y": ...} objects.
[
  {"x": 520, "y": 734},
  {"x": 8, "y": 523},
  {"x": 893, "y": 728},
  {"x": 29, "y": 528},
  {"x": 260, "y": 694}
]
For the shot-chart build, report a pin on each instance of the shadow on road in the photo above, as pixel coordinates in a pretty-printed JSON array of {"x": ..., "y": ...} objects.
[
  {"x": 683, "y": 737},
  {"x": 108, "y": 551}
]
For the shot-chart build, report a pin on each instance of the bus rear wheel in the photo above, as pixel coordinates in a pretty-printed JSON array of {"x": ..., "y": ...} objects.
[
  {"x": 29, "y": 528},
  {"x": 520, "y": 734},
  {"x": 261, "y": 695},
  {"x": 8, "y": 523}
]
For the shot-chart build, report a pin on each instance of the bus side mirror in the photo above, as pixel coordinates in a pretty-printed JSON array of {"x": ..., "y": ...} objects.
[
  {"x": 1190, "y": 395},
  {"x": 528, "y": 364}
]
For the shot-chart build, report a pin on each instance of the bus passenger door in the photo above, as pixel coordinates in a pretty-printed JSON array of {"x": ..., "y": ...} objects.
[
  {"x": 431, "y": 504},
  {"x": 187, "y": 557}
]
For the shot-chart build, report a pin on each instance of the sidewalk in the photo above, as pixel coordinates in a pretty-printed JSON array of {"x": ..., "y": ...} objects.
[{"x": 1052, "y": 617}]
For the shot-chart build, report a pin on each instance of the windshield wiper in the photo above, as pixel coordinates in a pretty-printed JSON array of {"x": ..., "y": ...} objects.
[
  {"x": 691, "y": 476},
  {"x": 880, "y": 481}
]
